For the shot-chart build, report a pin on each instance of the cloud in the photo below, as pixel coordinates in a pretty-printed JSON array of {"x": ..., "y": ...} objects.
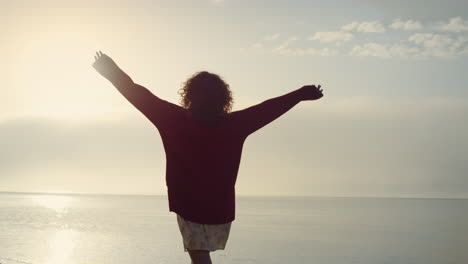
[
  {"x": 284, "y": 47},
  {"x": 265, "y": 39},
  {"x": 332, "y": 36},
  {"x": 456, "y": 24},
  {"x": 368, "y": 27},
  {"x": 371, "y": 49},
  {"x": 271, "y": 37},
  {"x": 384, "y": 50},
  {"x": 326, "y": 52},
  {"x": 430, "y": 40},
  {"x": 371, "y": 27},
  {"x": 452, "y": 43},
  {"x": 351, "y": 26},
  {"x": 406, "y": 25},
  {"x": 440, "y": 45},
  {"x": 419, "y": 45}
]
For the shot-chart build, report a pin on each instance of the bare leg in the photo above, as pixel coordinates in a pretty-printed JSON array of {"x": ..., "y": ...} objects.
[{"x": 200, "y": 256}]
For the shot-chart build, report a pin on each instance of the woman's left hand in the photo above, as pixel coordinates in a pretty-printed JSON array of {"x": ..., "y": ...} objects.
[{"x": 104, "y": 64}]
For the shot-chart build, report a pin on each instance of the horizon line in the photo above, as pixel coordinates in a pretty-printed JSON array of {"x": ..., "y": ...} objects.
[{"x": 238, "y": 195}]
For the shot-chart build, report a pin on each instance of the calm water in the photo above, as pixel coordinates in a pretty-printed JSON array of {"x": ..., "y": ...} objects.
[{"x": 53, "y": 229}]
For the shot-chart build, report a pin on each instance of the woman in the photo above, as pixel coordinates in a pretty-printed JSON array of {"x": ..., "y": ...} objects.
[{"x": 203, "y": 143}]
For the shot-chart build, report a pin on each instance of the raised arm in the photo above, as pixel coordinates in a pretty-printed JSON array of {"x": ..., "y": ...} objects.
[
  {"x": 136, "y": 94},
  {"x": 255, "y": 117},
  {"x": 146, "y": 102}
]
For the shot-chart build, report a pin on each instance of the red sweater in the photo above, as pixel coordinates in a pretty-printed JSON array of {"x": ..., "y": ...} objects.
[{"x": 202, "y": 161}]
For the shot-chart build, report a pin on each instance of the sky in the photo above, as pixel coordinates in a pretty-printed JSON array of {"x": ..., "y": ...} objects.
[{"x": 392, "y": 121}]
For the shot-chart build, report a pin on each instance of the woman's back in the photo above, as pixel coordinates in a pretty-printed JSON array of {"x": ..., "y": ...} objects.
[{"x": 203, "y": 155}]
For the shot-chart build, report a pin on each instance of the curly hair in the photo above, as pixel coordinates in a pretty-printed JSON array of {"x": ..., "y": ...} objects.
[{"x": 207, "y": 90}]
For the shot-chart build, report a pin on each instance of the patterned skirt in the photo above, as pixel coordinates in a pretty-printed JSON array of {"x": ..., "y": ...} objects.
[{"x": 203, "y": 237}]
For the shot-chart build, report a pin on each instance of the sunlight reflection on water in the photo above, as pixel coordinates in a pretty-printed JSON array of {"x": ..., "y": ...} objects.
[
  {"x": 62, "y": 245},
  {"x": 62, "y": 242}
]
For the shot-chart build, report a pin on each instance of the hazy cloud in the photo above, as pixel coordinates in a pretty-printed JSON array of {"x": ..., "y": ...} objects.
[
  {"x": 350, "y": 26},
  {"x": 445, "y": 45},
  {"x": 431, "y": 40},
  {"x": 323, "y": 51},
  {"x": 257, "y": 45},
  {"x": 284, "y": 47},
  {"x": 265, "y": 39},
  {"x": 371, "y": 49},
  {"x": 384, "y": 50},
  {"x": 271, "y": 37},
  {"x": 405, "y": 25},
  {"x": 331, "y": 36},
  {"x": 121, "y": 156},
  {"x": 456, "y": 24},
  {"x": 421, "y": 45},
  {"x": 440, "y": 45},
  {"x": 354, "y": 146},
  {"x": 287, "y": 46},
  {"x": 368, "y": 27}
]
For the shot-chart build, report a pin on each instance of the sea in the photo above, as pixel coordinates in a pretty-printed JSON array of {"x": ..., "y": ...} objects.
[{"x": 113, "y": 229}]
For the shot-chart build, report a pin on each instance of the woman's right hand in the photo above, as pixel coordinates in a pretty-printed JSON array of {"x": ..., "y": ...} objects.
[{"x": 311, "y": 92}]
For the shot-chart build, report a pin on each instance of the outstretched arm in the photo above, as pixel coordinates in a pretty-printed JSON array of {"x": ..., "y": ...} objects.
[
  {"x": 136, "y": 94},
  {"x": 255, "y": 117}
]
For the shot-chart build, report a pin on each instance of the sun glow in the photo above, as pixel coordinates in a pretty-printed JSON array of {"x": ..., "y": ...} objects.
[{"x": 52, "y": 73}]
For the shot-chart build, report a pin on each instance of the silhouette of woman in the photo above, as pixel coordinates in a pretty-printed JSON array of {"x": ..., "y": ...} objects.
[{"x": 203, "y": 143}]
